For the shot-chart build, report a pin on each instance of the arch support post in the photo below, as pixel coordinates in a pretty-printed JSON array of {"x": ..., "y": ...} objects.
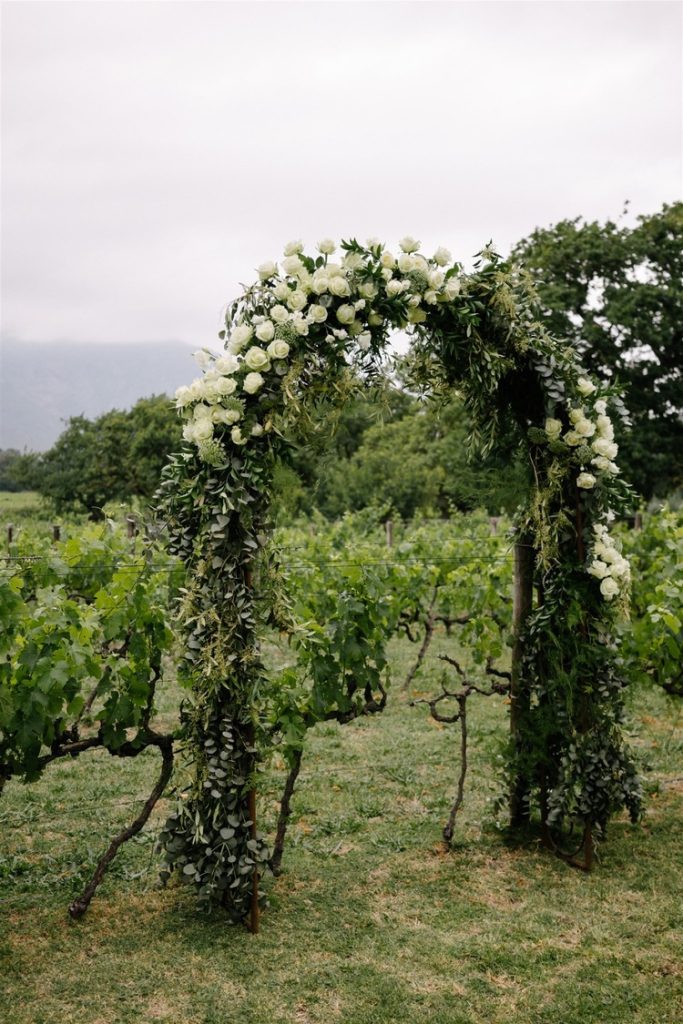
[{"x": 523, "y": 591}]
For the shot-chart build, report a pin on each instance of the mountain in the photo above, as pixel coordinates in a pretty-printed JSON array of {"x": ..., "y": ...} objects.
[{"x": 42, "y": 384}]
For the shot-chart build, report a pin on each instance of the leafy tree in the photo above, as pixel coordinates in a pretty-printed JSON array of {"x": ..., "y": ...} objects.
[
  {"x": 415, "y": 458},
  {"x": 112, "y": 458},
  {"x": 9, "y": 458},
  {"x": 617, "y": 293}
]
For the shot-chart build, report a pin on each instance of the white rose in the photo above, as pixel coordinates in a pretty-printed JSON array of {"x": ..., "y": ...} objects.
[
  {"x": 442, "y": 257},
  {"x": 256, "y": 430},
  {"x": 197, "y": 389},
  {"x": 202, "y": 412},
  {"x": 291, "y": 265},
  {"x": 252, "y": 383},
  {"x": 183, "y": 396},
  {"x": 296, "y": 299},
  {"x": 353, "y": 260},
  {"x": 364, "y": 340},
  {"x": 409, "y": 244},
  {"x": 339, "y": 286},
  {"x": 609, "y": 588},
  {"x": 189, "y": 432},
  {"x": 225, "y": 385},
  {"x": 279, "y": 314},
  {"x": 281, "y": 290},
  {"x": 435, "y": 278},
  {"x": 265, "y": 331},
  {"x": 203, "y": 429},
  {"x": 452, "y": 288},
  {"x": 584, "y": 427},
  {"x": 241, "y": 334},
  {"x": 267, "y": 270},
  {"x": 387, "y": 260},
  {"x": 553, "y": 429},
  {"x": 605, "y": 428},
  {"x": 236, "y": 435},
  {"x": 326, "y": 246},
  {"x": 585, "y": 481},
  {"x": 601, "y": 406},
  {"x": 227, "y": 363},
  {"x": 300, "y": 325},
  {"x": 387, "y": 273},
  {"x": 394, "y": 288},
  {"x": 292, "y": 248},
  {"x": 202, "y": 358},
  {"x": 585, "y": 386},
  {"x": 576, "y": 414},
  {"x": 368, "y": 290},
  {"x": 317, "y": 314},
  {"x": 600, "y": 462},
  {"x": 599, "y": 569},
  {"x": 256, "y": 358},
  {"x": 606, "y": 448},
  {"x": 406, "y": 263},
  {"x": 413, "y": 300},
  {"x": 278, "y": 349},
  {"x": 430, "y": 297},
  {"x": 320, "y": 282},
  {"x": 230, "y": 415},
  {"x": 346, "y": 314}
]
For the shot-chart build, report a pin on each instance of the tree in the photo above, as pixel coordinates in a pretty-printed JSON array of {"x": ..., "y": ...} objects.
[
  {"x": 113, "y": 458},
  {"x": 414, "y": 457},
  {"x": 617, "y": 293}
]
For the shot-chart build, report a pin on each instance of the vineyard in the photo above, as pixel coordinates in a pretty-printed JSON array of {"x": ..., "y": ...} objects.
[{"x": 363, "y": 778}]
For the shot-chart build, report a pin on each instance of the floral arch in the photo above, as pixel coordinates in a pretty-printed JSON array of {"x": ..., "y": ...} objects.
[{"x": 295, "y": 339}]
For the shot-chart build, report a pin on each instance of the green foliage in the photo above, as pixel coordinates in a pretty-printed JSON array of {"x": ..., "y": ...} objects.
[
  {"x": 417, "y": 463},
  {"x": 112, "y": 458},
  {"x": 84, "y": 630},
  {"x": 617, "y": 293},
  {"x": 652, "y": 642}
]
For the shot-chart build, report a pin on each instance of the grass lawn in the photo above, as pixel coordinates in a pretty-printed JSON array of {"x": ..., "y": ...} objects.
[{"x": 371, "y": 923}]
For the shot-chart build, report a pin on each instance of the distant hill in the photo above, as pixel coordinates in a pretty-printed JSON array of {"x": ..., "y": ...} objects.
[{"x": 43, "y": 384}]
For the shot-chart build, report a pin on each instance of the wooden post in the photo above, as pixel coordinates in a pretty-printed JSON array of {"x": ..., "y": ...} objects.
[
  {"x": 56, "y": 533},
  {"x": 493, "y": 523},
  {"x": 389, "y": 529},
  {"x": 519, "y": 701},
  {"x": 638, "y": 521},
  {"x": 10, "y": 533},
  {"x": 131, "y": 527}
]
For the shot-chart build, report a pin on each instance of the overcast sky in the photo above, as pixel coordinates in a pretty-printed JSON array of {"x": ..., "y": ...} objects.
[{"x": 154, "y": 153}]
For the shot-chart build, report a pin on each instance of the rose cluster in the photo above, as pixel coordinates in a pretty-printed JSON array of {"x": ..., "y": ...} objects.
[
  {"x": 306, "y": 304},
  {"x": 590, "y": 437},
  {"x": 608, "y": 564}
]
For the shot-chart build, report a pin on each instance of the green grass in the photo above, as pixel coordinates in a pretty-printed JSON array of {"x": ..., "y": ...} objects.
[{"x": 371, "y": 923}]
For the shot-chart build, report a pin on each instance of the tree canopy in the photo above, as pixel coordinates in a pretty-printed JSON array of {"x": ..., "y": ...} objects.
[{"x": 616, "y": 292}]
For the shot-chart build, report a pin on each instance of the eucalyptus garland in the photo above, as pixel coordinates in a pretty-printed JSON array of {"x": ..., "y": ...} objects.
[{"x": 295, "y": 344}]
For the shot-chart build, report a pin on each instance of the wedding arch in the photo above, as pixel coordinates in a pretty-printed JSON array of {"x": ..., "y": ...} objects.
[{"x": 301, "y": 337}]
